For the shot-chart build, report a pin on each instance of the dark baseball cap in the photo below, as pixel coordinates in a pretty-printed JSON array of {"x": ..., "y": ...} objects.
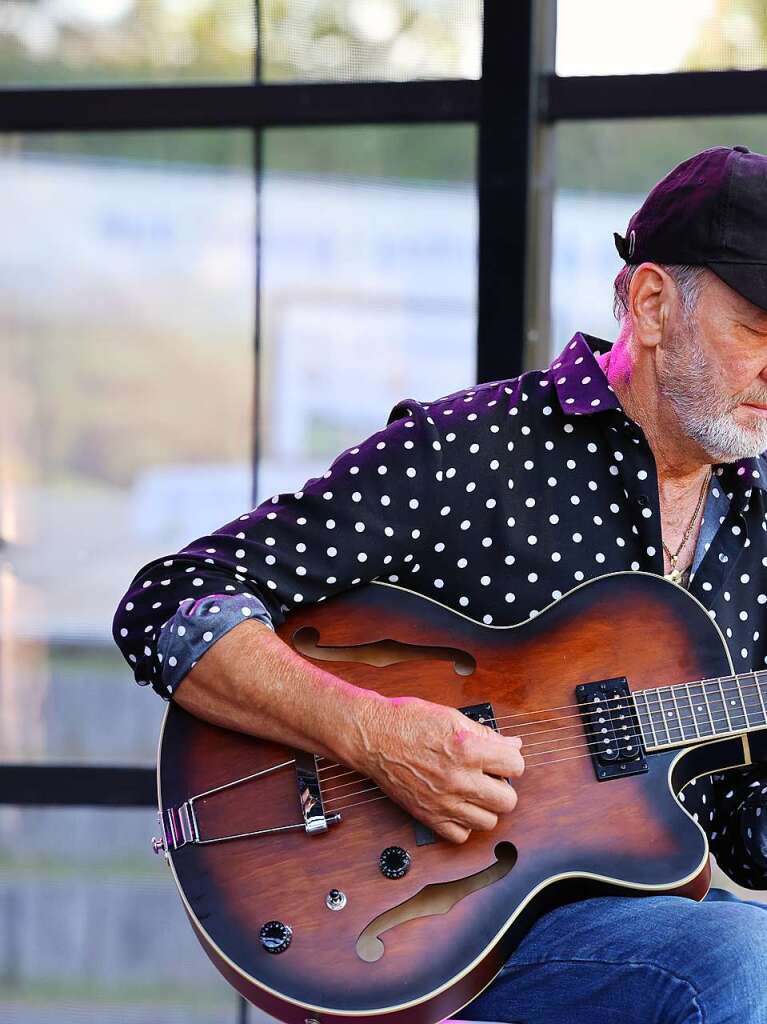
[{"x": 711, "y": 211}]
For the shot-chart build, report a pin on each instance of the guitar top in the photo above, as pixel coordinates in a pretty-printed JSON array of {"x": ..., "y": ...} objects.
[{"x": 319, "y": 898}]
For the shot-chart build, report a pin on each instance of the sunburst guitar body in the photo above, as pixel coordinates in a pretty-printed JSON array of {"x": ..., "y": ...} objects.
[{"x": 318, "y": 898}]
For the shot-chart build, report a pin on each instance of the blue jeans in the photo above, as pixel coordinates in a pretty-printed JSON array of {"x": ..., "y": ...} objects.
[{"x": 652, "y": 960}]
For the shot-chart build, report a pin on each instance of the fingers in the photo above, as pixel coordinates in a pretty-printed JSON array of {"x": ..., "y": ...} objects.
[
  {"x": 468, "y": 818},
  {"x": 495, "y": 795},
  {"x": 495, "y": 755},
  {"x": 452, "y": 831},
  {"x": 473, "y": 816}
]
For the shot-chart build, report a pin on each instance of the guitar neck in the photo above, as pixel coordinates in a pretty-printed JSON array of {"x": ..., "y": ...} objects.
[{"x": 686, "y": 713}]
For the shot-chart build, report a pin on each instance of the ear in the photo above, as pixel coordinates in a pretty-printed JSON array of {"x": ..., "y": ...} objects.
[{"x": 650, "y": 297}]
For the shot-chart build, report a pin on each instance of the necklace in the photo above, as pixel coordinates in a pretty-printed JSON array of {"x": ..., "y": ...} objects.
[{"x": 676, "y": 576}]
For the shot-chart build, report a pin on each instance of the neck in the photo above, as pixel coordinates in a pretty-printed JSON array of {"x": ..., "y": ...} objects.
[
  {"x": 675, "y": 716},
  {"x": 680, "y": 461}
]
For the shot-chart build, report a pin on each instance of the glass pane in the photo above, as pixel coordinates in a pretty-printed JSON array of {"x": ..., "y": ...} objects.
[
  {"x": 604, "y": 171},
  {"x": 126, "y": 370},
  {"x": 87, "y": 41},
  {"x": 371, "y": 39},
  {"x": 369, "y": 285},
  {"x": 601, "y": 37},
  {"x": 93, "y": 929}
]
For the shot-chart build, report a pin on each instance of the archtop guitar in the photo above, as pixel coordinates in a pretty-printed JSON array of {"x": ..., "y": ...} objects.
[{"x": 319, "y": 899}]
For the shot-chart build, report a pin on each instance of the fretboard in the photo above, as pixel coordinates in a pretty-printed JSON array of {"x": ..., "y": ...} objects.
[{"x": 674, "y": 716}]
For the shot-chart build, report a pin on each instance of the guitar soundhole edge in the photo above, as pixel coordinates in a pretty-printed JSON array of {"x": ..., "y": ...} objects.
[
  {"x": 436, "y": 898},
  {"x": 380, "y": 653}
]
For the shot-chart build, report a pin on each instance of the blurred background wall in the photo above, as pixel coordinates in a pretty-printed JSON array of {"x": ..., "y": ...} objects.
[{"x": 194, "y": 319}]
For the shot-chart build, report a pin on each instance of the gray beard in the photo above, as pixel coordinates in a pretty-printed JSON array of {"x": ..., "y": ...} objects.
[{"x": 704, "y": 413}]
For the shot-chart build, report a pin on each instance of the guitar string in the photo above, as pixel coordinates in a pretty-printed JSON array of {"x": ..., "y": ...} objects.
[
  {"x": 680, "y": 721},
  {"x": 598, "y": 744},
  {"x": 678, "y": 712},
  {"x": 533, "y": 753},
  {"x": 740, "y": 690},
  {"x": 537, "y": 743},
  {"x": 757, "y": 685},
  {"x": 363, "y": 779},
  {"x": 384, "y": 796}
]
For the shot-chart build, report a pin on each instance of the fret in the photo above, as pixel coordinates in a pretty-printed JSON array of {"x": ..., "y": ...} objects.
[
  {"x": 752, "y": 701},
  {"x": 736, "y": 711},
  {"x": 647, "y": 732},
  {"x": 660, "y": 729},
  {"x": 761, "y": 693},
  {"x": 686, "y": 713},
  {"x": 703, "y": 717},
  {"x": 716, "y": 706},
  {"x": 670, "y": 715}
]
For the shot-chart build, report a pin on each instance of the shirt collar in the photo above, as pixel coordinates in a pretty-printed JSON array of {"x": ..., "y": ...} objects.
[
  {"x": 579, "y": 380},
  {"x": 582, "y": 389}
]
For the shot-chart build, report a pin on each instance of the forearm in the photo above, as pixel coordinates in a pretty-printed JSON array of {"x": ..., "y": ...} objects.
[
  {"x": 252, "y": 682},
  {"x": 441, "y": 767}
]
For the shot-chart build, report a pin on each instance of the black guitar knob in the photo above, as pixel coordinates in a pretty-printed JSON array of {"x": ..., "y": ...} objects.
[
  {"x": 275, "y": 936},
  {"x": 394, "y": 862}
]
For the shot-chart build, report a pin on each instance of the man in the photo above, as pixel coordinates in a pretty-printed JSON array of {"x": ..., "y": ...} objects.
[{"x": 496, "y": 501}]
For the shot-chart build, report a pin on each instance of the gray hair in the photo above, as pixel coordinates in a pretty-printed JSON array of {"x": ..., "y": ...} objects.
[{"x": 688, "y": 280}]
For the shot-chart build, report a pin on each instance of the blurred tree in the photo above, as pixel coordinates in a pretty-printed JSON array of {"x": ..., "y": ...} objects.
[
  {"x": 301, "y": 39},
  {"x": 155, "y": 40},
  {"x": 630, "y": 156},
  {"x": 735, "y": 36}
]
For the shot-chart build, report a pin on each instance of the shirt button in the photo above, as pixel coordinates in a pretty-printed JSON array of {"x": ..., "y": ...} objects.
[{"x": 643, "y": 501}]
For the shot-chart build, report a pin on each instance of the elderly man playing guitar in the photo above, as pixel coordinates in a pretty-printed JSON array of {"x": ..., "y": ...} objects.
[{"x": 643, "y": 456}]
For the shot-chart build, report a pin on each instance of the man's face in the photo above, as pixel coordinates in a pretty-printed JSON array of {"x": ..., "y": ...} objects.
[{"x": 713, "y": 370}]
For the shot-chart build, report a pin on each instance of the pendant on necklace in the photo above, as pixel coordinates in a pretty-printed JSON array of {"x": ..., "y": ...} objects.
[{"x": 674, "y": 576}]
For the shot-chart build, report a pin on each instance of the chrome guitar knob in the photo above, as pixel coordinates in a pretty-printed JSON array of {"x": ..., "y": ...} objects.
[
  {"x": 394, "y": 862},
  {"x": 275, "y": 936}
]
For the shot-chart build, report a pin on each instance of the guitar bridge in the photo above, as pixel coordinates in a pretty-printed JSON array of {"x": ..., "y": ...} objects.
[
  {"x": 612, "y": 728},
  {"x": 180, "y": 826}
]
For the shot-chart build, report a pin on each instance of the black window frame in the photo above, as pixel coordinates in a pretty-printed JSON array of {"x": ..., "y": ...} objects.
[{"x": 516, "y": 100}]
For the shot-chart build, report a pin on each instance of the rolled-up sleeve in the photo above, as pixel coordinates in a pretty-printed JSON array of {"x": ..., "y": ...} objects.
[
  {"x": 364, "y": 518},
  {"x": 196, "y": 626}
]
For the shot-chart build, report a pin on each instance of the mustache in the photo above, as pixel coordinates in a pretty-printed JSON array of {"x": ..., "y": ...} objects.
[{"x": 753, "y": 398}]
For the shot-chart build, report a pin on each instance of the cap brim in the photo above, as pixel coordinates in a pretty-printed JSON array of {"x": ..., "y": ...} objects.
[{"x": 747, "y": 279}]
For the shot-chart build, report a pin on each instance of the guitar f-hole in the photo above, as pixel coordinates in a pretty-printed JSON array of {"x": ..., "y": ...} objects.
[
  {"x": 437, "y": 898},
  {"x": 380, "y": 653}
]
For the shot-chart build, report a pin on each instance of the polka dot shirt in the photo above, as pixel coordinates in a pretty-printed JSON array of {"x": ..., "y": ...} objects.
[{"x": 495, "y": 501}]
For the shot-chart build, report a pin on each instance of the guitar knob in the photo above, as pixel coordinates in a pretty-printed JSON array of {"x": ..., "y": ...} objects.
[
  {"x": 275, "y": 936},
  {"x": 394, "y": 862}
]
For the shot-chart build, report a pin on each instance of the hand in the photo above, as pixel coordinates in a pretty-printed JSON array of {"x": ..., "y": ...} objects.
[{"x": 440, "y": 766}]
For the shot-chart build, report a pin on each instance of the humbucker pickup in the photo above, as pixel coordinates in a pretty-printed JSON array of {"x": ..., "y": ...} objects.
[{"x": 612, "y": 728}]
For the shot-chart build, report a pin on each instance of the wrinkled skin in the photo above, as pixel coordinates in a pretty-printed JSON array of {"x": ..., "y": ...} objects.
[{"x": 441, "y": 767}]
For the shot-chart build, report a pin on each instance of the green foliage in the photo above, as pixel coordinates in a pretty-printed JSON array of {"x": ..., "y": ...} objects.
[
  {"x": 630, "y": 156},
  {"x": 421, "y": 152},
  {"x": 431, "y": 152},
  {"x": 733, "y": 37}
]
